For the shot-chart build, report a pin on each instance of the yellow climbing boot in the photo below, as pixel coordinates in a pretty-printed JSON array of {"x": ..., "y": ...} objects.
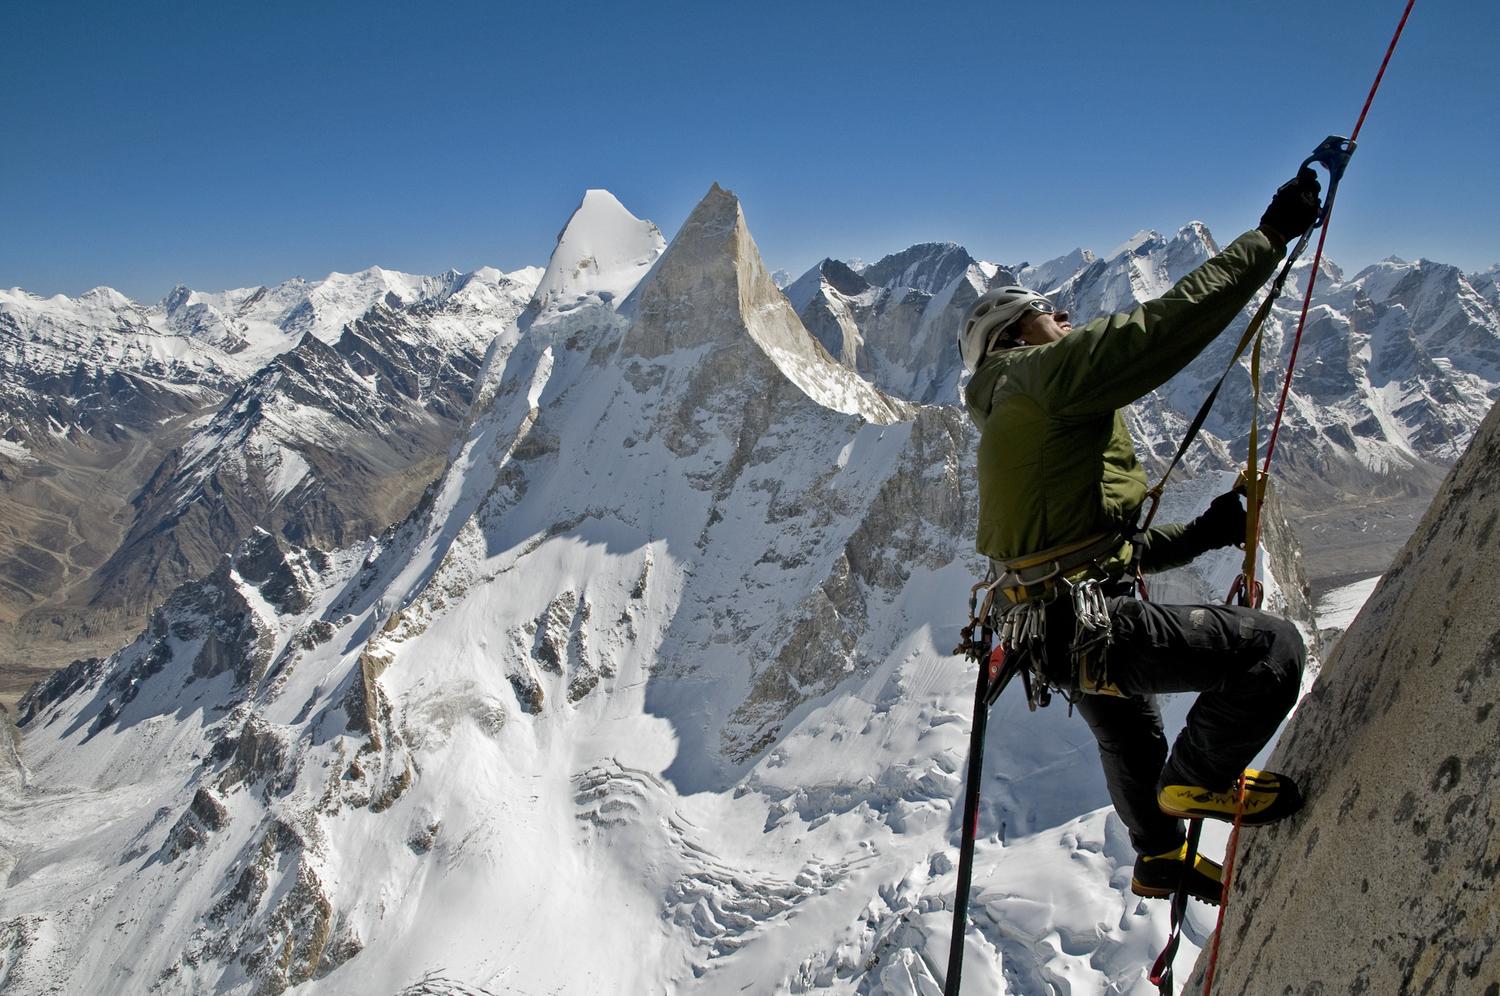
[
  {"x": 1268, "y": 797},
  {"x": 1157, "y": 876}
]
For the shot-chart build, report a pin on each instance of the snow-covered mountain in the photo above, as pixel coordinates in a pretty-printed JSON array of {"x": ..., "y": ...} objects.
[
  {"x": 325, "y": 445},
  {"x": 662, "y": 661},
  {"x": 893, "y": 321},
  {"x": 93, "y": 392},
  {"x": 104, "y": 400},
  {"x": 1394, "y": 374},
  {"x": 601, "y": 254}
]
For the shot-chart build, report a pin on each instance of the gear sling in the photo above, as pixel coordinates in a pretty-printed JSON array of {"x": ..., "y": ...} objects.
[{"x": 1007, "y": 637}]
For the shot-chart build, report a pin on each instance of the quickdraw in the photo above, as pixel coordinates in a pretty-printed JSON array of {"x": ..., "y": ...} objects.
[{"x": 1092, "y": 636}]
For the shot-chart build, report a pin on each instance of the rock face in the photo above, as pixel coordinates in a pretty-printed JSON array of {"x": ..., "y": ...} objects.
[
  {"x": 1385, "y": 882},
  {"x": 738, "y": 314}
]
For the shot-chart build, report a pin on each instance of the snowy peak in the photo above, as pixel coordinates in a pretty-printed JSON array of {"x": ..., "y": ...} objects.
[
  {"x": 1142, "y": 267},
  {"x": 102, "y": 306},
  {"x": 1142, "y": 243},
  {"x": 1436, "y": 306},
  {"x": 107, "y": 298},
  {"x": 1487, "y": 283},
  {"x": 1049, "y": 276},
  {"x": 829, "y": 273},
  {"x": 927, "y": 267},
  {"x": 893, "y": 322},
  {"x": 711, "y": 289},
  {"x": 602, "y": 253}
]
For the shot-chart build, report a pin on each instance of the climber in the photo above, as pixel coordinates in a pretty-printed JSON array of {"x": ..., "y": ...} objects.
[{"x": 1060, "y": 492}]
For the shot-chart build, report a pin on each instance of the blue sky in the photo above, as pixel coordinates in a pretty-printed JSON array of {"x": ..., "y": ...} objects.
[{"x": 217, "y": 145}]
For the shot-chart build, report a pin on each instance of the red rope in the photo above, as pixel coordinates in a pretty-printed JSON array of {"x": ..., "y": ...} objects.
[
  {"x": 1312, "y": 277},
  {"x": 1228, "y": 876},
  {"x": 1381, "y": 75},
  {"x": 1286, "y": 386}
]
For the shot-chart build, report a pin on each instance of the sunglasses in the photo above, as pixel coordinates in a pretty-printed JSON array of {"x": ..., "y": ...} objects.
[{"x": 1041, "y": 306}]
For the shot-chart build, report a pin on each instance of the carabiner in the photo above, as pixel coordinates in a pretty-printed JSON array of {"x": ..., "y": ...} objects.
[{"x": 1333, "y": 155}]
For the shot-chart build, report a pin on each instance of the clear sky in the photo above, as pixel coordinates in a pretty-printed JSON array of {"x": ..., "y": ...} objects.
[{"x": 145, "y": 144}]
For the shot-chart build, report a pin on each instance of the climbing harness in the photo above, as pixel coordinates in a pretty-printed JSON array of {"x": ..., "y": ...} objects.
[{"x": 1037, "y": 576}]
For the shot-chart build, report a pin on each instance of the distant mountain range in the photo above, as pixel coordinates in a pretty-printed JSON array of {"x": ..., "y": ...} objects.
[
  {"x": 138, "y": 445},
  {"x": 1397, "y": 368}
]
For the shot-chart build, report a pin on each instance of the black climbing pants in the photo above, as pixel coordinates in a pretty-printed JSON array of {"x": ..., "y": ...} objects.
[{"x": 1246, "y": 666}]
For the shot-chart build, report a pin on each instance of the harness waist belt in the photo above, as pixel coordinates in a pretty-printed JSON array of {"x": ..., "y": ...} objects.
[{"x": 1025, "y": 578}]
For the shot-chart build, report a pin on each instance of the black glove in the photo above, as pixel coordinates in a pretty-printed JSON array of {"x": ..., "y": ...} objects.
[
  {"x": 1223, "y": 523},
  {"x": 1294, "y": 207}
]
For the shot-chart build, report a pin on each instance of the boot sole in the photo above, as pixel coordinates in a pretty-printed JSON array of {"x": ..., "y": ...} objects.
[
  {"x": 1147, "y": 892},
  {"x": 1214, "y": 814}
]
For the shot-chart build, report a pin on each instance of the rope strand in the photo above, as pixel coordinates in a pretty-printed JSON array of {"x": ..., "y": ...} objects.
[
  {"x": 1228, "y": 876},
  {"x": 1322, "y": 237},
  {"x": 1234, "y": 834},
  {"x": 1381, "y": 74}
]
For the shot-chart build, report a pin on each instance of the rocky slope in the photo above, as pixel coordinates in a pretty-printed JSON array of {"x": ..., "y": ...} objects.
[
  {"x": 140, "y": 443},
  {"x": 327, "y": 444},
  {"x": 93, "y": 393},
  {"x": 1385, "y": 882}
]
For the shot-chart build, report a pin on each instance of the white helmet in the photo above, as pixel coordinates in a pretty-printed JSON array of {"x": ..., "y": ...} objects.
[{"x": 994, "y": 312}]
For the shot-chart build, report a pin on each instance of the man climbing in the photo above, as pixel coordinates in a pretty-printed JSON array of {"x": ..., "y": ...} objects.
[{"x": 1060, "y": 493}]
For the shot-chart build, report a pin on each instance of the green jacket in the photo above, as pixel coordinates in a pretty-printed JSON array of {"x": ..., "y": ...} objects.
[{"x": 1056, "y": 463}]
